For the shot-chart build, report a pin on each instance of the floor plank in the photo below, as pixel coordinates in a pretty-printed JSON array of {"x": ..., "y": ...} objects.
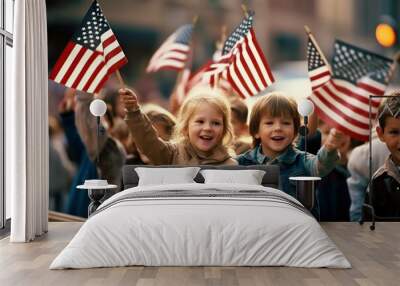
[{"x": 374, "y": 255}]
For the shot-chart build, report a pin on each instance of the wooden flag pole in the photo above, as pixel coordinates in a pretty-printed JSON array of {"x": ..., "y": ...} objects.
[
  {"x": 308, "y": 31},
  {"x": 119, "y": 77},
  {"x": 245, "y": 10}
]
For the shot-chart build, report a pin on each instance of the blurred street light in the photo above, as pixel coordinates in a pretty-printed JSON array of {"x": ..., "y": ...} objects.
[{"x": 386, "y": 32}]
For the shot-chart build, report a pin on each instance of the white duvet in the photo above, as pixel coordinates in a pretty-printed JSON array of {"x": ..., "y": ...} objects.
[{"x": 233, "y": 230}]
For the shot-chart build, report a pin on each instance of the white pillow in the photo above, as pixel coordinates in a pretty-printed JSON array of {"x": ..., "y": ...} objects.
[
  {"x": 163, "y": 176},
  {"x": 249, "y": 177}
]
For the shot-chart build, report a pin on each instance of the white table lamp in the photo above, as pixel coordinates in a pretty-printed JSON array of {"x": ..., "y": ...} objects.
[
  {"x": 305, "y": 108},
  {"x": 98, "y": 108},
  {"x": 305, "y": 186}
]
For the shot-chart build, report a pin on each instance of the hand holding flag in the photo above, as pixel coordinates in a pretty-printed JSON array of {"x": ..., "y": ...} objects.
[
  {"x": 129, "y": 99},
  {"x": 334, "y": 140}
]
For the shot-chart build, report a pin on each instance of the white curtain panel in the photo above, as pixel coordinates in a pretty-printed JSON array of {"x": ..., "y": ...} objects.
[{"x": 27, "y": 124}]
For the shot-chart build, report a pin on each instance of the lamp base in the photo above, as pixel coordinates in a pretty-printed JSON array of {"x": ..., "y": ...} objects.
[
  {"x": 305, "y": 190},
  {"x": 303, "y": 130}
]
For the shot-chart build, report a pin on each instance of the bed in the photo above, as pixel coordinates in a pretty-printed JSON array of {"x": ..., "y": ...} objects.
[{"x": 202, "y": 222}]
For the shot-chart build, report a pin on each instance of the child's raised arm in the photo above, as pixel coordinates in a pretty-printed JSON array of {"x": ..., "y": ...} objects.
[
  {"x": 328, "y": 155},
  {"x": 143, "y": 132}
]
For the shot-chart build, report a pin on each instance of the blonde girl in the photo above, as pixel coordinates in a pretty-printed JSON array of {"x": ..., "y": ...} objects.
[{"x": 202, "y": 133}]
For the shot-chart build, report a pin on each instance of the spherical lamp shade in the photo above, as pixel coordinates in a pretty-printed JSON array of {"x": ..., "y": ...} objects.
[
  {"x": 98, "y": 107},
  {"x": 305, "y": 107}
]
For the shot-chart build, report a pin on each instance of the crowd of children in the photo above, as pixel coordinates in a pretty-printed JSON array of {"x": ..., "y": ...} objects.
[{"x": 211, "y": 128}]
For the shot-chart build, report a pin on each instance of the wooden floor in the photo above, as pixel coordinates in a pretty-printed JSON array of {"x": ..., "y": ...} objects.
[{"x": 374, "y": 255}]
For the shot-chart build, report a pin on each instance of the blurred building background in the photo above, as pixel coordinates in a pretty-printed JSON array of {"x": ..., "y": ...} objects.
[{"x": 141, "y": 25}]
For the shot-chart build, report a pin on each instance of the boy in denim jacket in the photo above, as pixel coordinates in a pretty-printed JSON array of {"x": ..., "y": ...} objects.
[{"x": 274, "y": 125}]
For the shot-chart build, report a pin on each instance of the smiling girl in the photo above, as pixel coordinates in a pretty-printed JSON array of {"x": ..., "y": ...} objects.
[
  {"x": 202, "y": 132},
  {"x": 274, "y": 125}
]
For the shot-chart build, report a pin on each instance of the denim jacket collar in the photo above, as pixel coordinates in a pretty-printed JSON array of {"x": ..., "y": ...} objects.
[{"x": 287, "y": 157}]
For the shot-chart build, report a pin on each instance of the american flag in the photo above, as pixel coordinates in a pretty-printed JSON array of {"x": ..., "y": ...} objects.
[
  {"x": 343, "y": 101},
  {"x": 91, "y": 55},
  {"x": 174, "y": 52},
  {"x": 243, "y": 61},
  {"x": 318, "y": 70},
  {"x": 238, "y": 33},
  {"x": 222, "y": 59},
  {"x": 249, "y": 72}
]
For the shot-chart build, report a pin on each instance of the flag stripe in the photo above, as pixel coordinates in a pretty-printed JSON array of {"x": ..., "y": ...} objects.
[
  {"x": 345, "y": 100},
  {"x": 371, "y": 89},
  {"x": 234, "y": 86},
  {"x": 355, "y": 118},
  {"x": 236, "y": 83},
  {"x": 117, "y": 65},
  {"x": 319, "y": 76},
  {"x": 249, "y": 58},
  {"x": 101, "y": 83},
  {"x": 351, "y": 90},
  {"x": 73, "y": 65},
  {"x": 61, "y": 60},
  {"x": 168, "y": 64},
  {"x": 260, "y": 56},
  {"x": 96, "y": 66},
  {"x": 110, "y": 48},
  {"x": 245, "y": 71},
  {"x": 324, "y": 70},
  {"x": 108, "y": 38},
  {"x": 174, "y": 55},
  {"x": 117, "y": 52},
  {"x": 238, "y": 76},
  {"x": 335, "y": 113},
  {"x": 114, "y": 57},
  {"x": 350, "y": 99},
  {"x": 84, "y": 69},
  {"x": 98, "y": 76},
  {"x": 67, "y": 63},
  {"x": 318, "y": 83},
  {"x": 78, "y": 68},
  {"x": 85, "y": 80},
  {"x": 342, "y": 126}
]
